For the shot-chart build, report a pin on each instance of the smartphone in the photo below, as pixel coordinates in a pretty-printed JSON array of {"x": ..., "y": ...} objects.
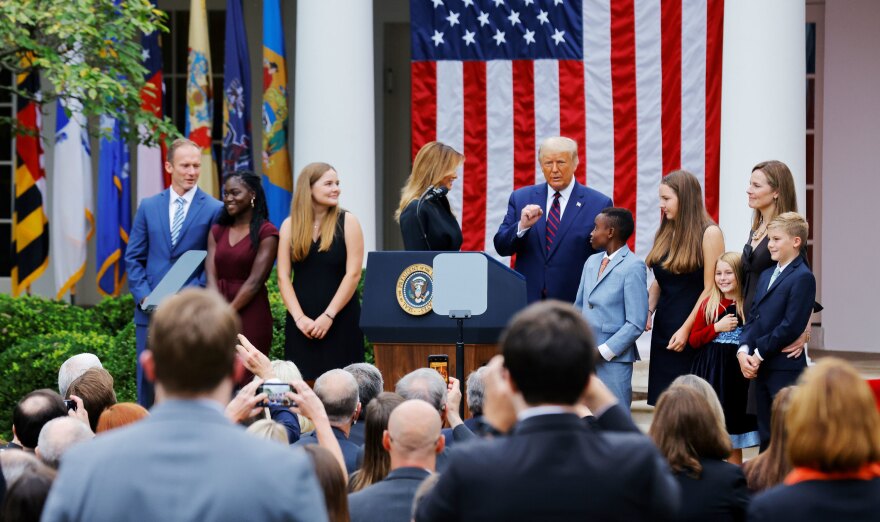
[
  {"x": 441, "y": 364},
  {"x": 276, "y": 393},
  {"x": 70, "y": 403}
]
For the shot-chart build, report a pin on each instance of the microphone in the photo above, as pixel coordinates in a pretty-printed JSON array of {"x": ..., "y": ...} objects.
[{"x": 436, "y": 192}]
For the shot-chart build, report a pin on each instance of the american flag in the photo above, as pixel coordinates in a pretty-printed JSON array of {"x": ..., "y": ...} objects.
[{"x": 636, "y": 83}]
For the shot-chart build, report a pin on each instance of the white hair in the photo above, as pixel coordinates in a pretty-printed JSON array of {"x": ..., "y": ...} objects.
[
  {"x": 73, "y": 368},
  {"x": 425, "y": 384},
  {"x": 59, "y": 435}
]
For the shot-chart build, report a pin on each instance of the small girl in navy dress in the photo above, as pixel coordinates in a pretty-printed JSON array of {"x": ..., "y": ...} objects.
[{"x": 715, "y": 335}]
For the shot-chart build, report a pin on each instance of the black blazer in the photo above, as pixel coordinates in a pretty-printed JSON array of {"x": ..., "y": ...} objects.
[
  {"x": 553, "y": 467},
  {"x": 819, "y": 500},
  {"x": 389, "y": 500},
  {"x": 441, "y": 230},
  {"x": 719, "y": 495}
]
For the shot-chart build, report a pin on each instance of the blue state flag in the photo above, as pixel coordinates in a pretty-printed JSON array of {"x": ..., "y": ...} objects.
[
  {"x": 114, "y": 207},
  {"x": 237, "y": 141}
]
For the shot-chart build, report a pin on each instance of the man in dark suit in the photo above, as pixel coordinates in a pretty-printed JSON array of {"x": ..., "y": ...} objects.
[
  {"x": 552, "y": 467},
  {"x": 413, "y": 441},
  {"x": 548, "y": 225},
  {"x": 187, "y": 461},
  {"x": 370, "y": 385},
  {"x": 166, "y": 226}
]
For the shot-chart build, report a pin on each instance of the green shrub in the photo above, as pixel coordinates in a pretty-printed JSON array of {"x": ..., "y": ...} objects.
[
  {"x": 27, "y": 316},
  {"x": 114, "y": 313}
]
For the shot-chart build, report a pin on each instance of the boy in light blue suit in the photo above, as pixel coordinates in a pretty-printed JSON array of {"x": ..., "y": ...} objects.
[{"x": 613, "y": 297}]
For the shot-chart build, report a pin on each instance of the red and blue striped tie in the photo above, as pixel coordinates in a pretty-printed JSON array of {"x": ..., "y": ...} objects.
[{"x": 553, "y": 221}]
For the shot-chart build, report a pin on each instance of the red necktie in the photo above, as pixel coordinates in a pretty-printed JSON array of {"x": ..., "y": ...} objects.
[
  {"x": 553, "y": 221},
  {"x": 603, "y": 265}
]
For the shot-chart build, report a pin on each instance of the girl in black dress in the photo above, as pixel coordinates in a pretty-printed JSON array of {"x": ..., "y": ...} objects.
[
  {"x": 320, "y": 254},
  {"x": 425, "y": 217}
]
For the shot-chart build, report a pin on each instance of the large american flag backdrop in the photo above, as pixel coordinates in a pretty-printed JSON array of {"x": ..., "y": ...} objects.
[{"x": 636, "y": 83}]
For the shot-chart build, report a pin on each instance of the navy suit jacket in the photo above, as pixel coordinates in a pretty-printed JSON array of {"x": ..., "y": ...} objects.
[
  {"x": 389, "y": 500},
  {"x": 719, "y": 495},
  {"x": 780, "y": 314},
  {"x": 819, "y": 500},
  {"x": 149, "y": 254},
  {"x": 350, "y": 450},
  {"x": 559, "y": 270}
]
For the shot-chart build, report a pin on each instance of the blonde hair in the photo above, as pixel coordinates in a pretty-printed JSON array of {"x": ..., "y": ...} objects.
[
  {"x": 780, "y": 179},
  {"x": 833, "y": 422},
  {"x": 559, "y": 144},
  {"x": 705, "y": 389},
  {"x": 678, "y": 245},
  {"x": 734, "y": 259},
  {"x": 268, "y": 429},
  {"x": 433, "y": 162},
  {"x": 302, "y": 215},
  {"x": 287, "y": 371},
  {"x": 792, "y": 224}
]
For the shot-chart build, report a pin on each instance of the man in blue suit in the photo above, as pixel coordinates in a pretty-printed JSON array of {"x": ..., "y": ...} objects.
[
  {"x": 613, "y": 297},
  {"x": 167, "y": 225},
  {"x": 548, "y": 225}
]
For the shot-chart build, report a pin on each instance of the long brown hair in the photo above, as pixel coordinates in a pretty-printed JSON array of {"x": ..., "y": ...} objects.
[
  {"x": 433, "y": 162},
  {"x": 302, "y": 215},
  {"x": 332, "y": 482},
  {"x": 780, "y": 179},
  {"x": 377, "y": 462},
  {"x": 734, "y": 259},
  {"x": 678, "y": 245},
  {"x": 685, "y": 430},
  {"x": 770, "y": 467}
]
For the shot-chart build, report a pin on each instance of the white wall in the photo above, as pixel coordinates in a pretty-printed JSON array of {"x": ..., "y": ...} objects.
[{"x": 851, "y": 175}]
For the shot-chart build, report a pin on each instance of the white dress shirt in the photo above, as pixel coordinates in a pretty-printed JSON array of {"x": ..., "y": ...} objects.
[{"x": 172, "y": 204}]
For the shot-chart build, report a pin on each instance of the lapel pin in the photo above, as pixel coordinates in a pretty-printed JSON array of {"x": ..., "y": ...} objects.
[{"x": 578, "y": 203}]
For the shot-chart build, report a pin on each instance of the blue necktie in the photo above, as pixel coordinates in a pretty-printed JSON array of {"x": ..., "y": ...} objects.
[
  {"x": 774, "y": 276},
  {"x": 177, "y": 224}
]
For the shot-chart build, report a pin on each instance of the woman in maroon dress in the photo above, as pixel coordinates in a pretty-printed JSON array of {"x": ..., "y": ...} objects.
[{"x": 241, "y": 252}]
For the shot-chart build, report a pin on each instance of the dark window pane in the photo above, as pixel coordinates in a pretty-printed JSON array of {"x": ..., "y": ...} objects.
[
  {"x": 165, "y": 43},
  {"x": 217, "y": 128},
  {"x": 5, "y": 80},
  {"x": 5, "y": 248},
  {"x": 181, "y": 25},
  {"x": 5, "y": 136},
  {"x": 167, "y": 98},
  {"x": 180, "y": 104},
  {"x": 811, "y": 103},
  {"x": 811, "y": 48},
  {"x": 5, "y": 193},
  {"x": 810, "y": 194},
  {"x": 217, "y": 39},
  {"x": 811, "y": 160}
]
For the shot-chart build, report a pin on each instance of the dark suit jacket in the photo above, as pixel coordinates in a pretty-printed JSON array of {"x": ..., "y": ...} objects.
[
  {"x": 615, "y": 418},
  {"x": 553, "y": 467},
  {"x": 389, "y": 500},
  {"x": 779, "y": 315},
  {"x": 349, "y": 449},
  {"x": 819, "y": 501},
  {"x": 356, "y": 434},
  {"x": 558, "y": 271},
  {"x": 719, "y": 495},
  {"x": 442, "y": 231},
  {"x": 149, "y": 254}
]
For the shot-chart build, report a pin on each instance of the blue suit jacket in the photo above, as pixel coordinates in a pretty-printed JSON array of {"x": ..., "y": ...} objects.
[
  {"x": 149, "y": 255},
  {"x": 557, "y": 270},
  {"x": 616, "y": 306},
  {"x": 780, "y": 314},
  {"x": 389, "y": 500}
]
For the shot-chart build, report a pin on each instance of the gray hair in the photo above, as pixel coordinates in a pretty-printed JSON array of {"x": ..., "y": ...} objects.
[
  {"x": 559, "y": 144},
  {"x": 338, "y": 391},
  {"x": 15, "y": 463},
  {"x": 424, "y": 384},
  {"x": 369, "y": 379},
  {"x": 475, "y": 387},
  {"x": 59, "y": 435},
  {"x": 73, "y": 368}
]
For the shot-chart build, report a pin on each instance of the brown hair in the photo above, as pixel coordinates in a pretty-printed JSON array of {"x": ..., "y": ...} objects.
[
  {"x": 302, "y": 215},
  {"x": 120, "y": 415},
  {"x": 833, "y": 422},
  {"x": 176, "y": 144},
  {"x": 771, "y": 466},
  {"x": 792, "y": 224},
  {"x": 678, "y": 244},
  {"x": 780, "y": 179},
  {"x": 685, "y": 430},
  {"x": 95, "y": 388},
  {"x": 332, "y": 482},
  {"x": 433, "y": 162},
  {"x": 377, "y": 461},
  {"x": 192, "y": 338}
]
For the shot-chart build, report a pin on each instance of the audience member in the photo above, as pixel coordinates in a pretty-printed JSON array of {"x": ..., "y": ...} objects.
[
  {"x": 706, "y": 391},
  {"x": 552, "y": 466},
  {"x": 268, "y": 429},
  {"x": 413, "y": 441},
  {"x": 176, "y": 464},
  {"x": 424, "y": 488},
  {"x": 694, "y": 441},
  {"x": 834, "y": 446},
  {"x": 74, "y": 367},
  {"x": 771, "y": 467},
  {"x": 370, "y": 385},
  {"x": 58, "y": 436},
  {"x": 427, "y": 385},
  {"x": 95, "y": 388},
  {"x": 120, "y": 414},
  {"x": 338, "y": 391},
  {"x": 14, "y": 464},
  {"x": 27, "y": 496},
  {"x": 30, "y": 415},
  {"x": 332, "y": 481},
  {"x": 376, "y": 462},
  {"x": 474, "y": 389}
]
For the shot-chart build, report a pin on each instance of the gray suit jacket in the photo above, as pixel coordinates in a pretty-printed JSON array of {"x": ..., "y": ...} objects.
[
  {"x": 389, "y": 500},
  {"x": 186, "y": 462},
  {"x": 615, "y": 305}
]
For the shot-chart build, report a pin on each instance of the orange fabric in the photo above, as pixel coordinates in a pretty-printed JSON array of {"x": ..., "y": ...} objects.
[{"x": 869, "y": 471}]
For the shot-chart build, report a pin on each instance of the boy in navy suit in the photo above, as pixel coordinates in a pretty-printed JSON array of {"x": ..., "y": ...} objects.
[
  {"x": 613, "y": 297},
  {"x": 780, "y": 313}
]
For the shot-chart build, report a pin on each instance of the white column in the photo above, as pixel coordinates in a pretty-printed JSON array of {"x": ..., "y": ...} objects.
[
  {"x": 334, "y": 116},
  {"x": 763, "y": 114}
]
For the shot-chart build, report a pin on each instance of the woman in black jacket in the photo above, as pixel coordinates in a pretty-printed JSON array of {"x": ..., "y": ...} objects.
[{"x": 425, "y": 217}]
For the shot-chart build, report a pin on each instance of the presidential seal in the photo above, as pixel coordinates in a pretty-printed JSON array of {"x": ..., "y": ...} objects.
[{"x": 415, "y": 289}]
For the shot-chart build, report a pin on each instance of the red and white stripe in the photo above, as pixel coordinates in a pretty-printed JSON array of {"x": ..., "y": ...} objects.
[{"x": 645, "y": 100}]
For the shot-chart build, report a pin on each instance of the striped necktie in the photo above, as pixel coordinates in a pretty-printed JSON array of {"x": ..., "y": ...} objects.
[
  {"x": 774, "y": 276},
  {"x": 553, "y": 221},
  {"x": 177, "y": 224},
  {"x": 605, "y": 261}
]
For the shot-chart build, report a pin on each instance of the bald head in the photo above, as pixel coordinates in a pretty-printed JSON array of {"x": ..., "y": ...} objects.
[
  {"x": 338, "y": 391},
  {"x": 414, "y": 432}
]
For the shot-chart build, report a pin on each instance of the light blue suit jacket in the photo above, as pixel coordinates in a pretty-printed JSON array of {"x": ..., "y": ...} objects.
[{"x": 615, "y": 305}]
